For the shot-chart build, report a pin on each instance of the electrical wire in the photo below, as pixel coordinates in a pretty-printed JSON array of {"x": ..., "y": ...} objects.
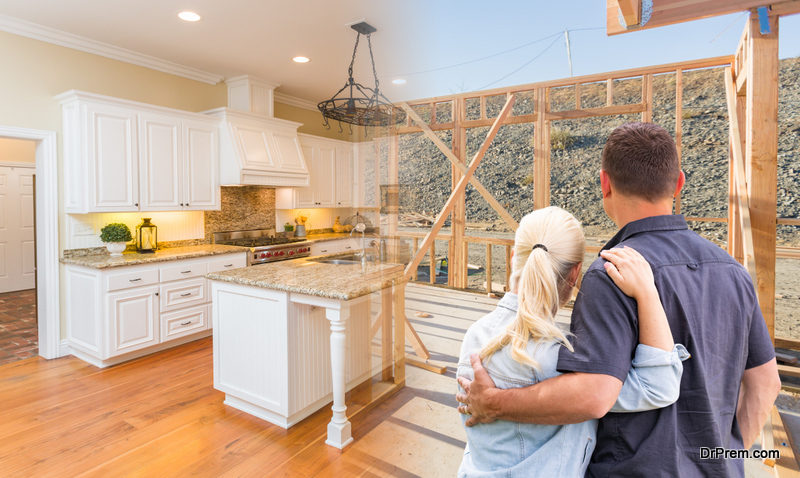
[
  {"x": 555, "y": 40},
  {"x": 493, "y": 55}
]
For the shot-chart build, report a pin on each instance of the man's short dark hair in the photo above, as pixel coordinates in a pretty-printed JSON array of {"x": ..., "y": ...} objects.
[{"x": 641, "y": 160}]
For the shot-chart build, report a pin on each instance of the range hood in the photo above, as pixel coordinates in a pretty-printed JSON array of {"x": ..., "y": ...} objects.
[{"x": 255, "y": 147}]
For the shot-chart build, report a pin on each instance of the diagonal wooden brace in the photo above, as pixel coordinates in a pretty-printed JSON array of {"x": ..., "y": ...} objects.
[
  {"x": 456, "y": 162},
  {"x": 458, "y": 190}
]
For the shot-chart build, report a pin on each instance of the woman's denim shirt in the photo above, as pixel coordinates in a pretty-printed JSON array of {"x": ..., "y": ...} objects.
[{"x": 510, "y": 449}]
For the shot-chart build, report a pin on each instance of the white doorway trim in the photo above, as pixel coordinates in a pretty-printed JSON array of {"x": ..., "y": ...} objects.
[{"x": 47, "y": 287}]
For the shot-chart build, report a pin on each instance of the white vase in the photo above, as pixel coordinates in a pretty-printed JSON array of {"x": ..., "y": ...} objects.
[{"x": 116, "y": 248}]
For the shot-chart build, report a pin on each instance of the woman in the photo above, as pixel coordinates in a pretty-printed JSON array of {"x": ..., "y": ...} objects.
[{"x": 519, "y": 343}]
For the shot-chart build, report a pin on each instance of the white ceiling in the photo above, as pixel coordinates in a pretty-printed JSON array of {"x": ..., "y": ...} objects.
[{"x": 256, "y": 37}]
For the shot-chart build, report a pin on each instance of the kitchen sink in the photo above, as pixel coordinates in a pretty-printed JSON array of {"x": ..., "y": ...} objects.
[{"x": 336, "y": 261}]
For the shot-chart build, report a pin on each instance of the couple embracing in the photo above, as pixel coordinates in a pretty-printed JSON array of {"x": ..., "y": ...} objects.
[{"x": 667, "y": 351}]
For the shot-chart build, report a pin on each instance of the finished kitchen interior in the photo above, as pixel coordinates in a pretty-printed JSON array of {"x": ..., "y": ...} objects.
[{"x": 236, "y": 260}]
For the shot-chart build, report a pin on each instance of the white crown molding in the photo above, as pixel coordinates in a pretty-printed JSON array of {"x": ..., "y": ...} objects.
[
  {"x": 57, "y": 37},
  {"x": 295, "y": 101}
]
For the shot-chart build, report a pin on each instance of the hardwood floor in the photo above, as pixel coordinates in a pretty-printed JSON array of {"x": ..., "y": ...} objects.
[{"x": 160, "y": 415}]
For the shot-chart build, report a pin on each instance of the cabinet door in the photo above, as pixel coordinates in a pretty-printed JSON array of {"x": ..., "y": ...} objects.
[
  {"x": 344, "y": 177},
  {"x": 160, "y": 162},
  {"x": 113, "y": 158},
  {"x": 133, "y": 316},
  {"x": 322, "y": 176},
  {"x": 304, "y": 197},
  {"x": 201, "y": 176}
]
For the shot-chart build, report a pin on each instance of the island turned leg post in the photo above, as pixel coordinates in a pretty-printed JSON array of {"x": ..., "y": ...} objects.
[{"x": 339, "y": 433}]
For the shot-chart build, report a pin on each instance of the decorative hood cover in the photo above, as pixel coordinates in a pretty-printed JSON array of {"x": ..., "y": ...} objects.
[{"x": 256, "y": 148}]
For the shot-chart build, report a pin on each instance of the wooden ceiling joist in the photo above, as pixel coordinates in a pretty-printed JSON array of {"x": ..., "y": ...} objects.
[{"x": 668, "y": 12}]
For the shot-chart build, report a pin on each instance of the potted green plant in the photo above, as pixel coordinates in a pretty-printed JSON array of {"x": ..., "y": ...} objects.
[{"x": 115, "y": 235}]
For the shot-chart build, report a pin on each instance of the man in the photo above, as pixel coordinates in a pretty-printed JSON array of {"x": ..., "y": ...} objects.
[{"x": 728, "y": 385}]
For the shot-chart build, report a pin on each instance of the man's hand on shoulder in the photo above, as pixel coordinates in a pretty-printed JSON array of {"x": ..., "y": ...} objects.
[{"x": 479, "y": 397}]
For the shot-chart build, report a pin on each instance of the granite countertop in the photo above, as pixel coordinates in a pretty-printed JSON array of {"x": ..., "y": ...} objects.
[
  {"x": 105, "y": 261},
  {"x": 307, "y": 276}
]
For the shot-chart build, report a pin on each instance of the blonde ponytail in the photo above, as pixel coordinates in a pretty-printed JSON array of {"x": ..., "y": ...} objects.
[{"x": 547, "y": 244}]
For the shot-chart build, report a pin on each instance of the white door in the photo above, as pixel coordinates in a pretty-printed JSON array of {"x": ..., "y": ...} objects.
[
  {"x": 17, "y": 257},
  {"x": 201, "y": 170},
  {"x": 160, "y": 163},
  {"x": 134, "y": 319},
  {"x": 113, "y": 158},
  {"x": 344, "y": 177}
]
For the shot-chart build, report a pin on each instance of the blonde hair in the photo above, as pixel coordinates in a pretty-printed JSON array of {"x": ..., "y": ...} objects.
[{"x": 541, "y": 276}]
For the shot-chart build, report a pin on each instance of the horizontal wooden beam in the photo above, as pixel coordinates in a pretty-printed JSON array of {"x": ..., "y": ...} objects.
[
  {"x": 593, "y": 112},
  {"x": 595, "y": 77},
  {"x": 789, "y": 221},
  {"x": 791, "y": 344},
  {"x": 785, "y": 8},
  {"x": 668, "y": 12},
  {"x": 707, "y": 219}
]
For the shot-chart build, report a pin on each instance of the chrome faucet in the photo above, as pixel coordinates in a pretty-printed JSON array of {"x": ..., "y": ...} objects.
[{"x": 361, "y": 227}]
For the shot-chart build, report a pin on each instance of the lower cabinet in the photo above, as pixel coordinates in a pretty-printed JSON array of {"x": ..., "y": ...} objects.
[
  {"x": 113, "y": 315},
  {"x": 336, "y": 246},
  {"x": 133, "y": 319}
]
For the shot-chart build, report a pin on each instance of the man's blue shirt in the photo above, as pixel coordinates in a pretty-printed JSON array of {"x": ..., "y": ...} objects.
[{"x": 712, "y": 309}]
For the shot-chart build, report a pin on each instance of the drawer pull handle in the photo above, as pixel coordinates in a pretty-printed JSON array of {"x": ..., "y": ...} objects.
[
  {"x": 186, "y": 272},
  {"x": 187, "y": 294},
  {"x": 348, "y": 247},
  {"x": 135, "y": 280},
  {"x": 186, "y": 323},
  {"x": 228, "y": 265},
  {"x": 323, "y": 250}
]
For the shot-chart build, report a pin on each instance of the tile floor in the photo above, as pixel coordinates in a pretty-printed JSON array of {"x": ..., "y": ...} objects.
[{"x": 18, "y": 330}]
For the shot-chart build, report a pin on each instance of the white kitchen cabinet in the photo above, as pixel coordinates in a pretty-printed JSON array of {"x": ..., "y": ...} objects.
[
  {"x": 117, "y": 314},
  {"x": 337, "y": 246},
  {"x": 125, "y": 156},
  {"x": 343, "y": 171},
  {"x": 160, "y": 162},
  {"x": 331, "y": 176},
  {"x": 201, "y": 165},
  {"x": 112, "y": 177},
  {"x": 133, "y": 316}
]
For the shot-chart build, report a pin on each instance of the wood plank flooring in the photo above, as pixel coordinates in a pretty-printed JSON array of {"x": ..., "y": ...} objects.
[{"x": 160, "y": 415}]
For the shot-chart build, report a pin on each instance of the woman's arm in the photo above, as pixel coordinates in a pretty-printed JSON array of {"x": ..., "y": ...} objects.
[{"x": 654, "y": 379}]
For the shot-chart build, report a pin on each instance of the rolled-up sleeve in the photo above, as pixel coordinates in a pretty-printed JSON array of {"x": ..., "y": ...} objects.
[
  {"x": 654, "y": 380},
  {"x": 604, "y": 329}
]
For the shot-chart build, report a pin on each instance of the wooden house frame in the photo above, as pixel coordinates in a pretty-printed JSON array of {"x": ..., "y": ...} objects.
[{"x": 751, "y": 81}]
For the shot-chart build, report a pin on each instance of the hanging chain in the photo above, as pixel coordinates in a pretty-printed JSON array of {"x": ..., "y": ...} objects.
[
  {"x": 352, "y": 60},
  {"x": 372, "y": 59}
]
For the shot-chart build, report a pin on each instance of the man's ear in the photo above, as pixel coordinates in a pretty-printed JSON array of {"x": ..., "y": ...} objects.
[
  {"x": 679, "y": 186},
  {"x": 605, "y": 183}
]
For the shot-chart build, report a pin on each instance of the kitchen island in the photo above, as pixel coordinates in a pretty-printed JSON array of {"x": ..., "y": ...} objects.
[{"x": 291, "y": 335}]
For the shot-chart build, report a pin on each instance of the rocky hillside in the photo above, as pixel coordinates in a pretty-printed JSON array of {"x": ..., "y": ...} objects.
[{"x": 507, "y": 168}]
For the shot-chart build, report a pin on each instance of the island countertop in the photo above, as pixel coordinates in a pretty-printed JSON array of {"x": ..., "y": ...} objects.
[
  {"x": 104, "y": 261},
  {"x": 309, "y": 276}
]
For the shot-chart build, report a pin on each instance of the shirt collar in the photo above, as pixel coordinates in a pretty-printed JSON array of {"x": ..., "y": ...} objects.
[
  {"x": 669, "y": 222},
  {"x": 509, "y": 301}
]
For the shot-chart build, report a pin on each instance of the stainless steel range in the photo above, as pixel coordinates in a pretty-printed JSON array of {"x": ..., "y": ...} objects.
[{"x": 264, "y": 246}]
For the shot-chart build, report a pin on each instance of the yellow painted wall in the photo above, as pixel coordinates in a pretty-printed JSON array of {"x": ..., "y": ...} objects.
[
  {"x": 312, "y": 123},
  {"x": 17, "y": 150}
]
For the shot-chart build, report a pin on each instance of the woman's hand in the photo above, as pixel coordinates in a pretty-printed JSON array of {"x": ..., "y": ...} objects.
[{"x": 631, "y": 272}]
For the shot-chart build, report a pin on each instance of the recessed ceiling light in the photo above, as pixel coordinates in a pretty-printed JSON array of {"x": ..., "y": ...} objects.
[
  {"x": 300, "y": 59},
  {"x": 399, "y": 81},
  {"x": 188, "y": 16}
]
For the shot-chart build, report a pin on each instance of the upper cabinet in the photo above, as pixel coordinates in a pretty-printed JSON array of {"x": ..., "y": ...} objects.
[
  {"x": 125, "y": 156},
  {"x": 330, "y": 170}
]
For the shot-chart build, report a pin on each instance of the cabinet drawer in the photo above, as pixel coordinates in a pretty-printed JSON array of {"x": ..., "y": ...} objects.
[
  {"x": 183, "y": 293},
  {"x": 226, "y": 262},
  {"x": 184, "y": 322},
  {"x": 183, "y": 270},
  {"x": 131, "y": 278}
]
